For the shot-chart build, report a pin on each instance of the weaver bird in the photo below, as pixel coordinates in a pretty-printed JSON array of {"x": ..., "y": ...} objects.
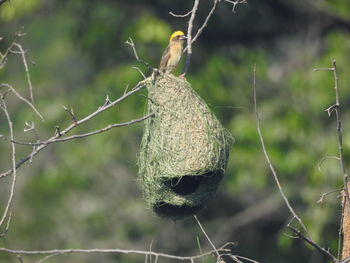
[{"x": 172, "y": 54}]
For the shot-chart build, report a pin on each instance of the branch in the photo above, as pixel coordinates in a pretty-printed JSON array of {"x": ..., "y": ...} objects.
[
  {"x": 275, "y": 176},
  {"x": 7, "y": 212},
  {"x": 324, "y": 159},
  {"x": 79, "y": 136},
  {"x": 130, "y": 42},
  {"x": 184, "y": 15},
  {"x": 109, "y": 251},
  {"x": 205, "y": 23},
  {"x": 60, "y": 133},
  {"x": 336, "y": 108},
  {"x": 211, "y": 12},
  {"x": 21, "y": 51},
  {"x": 206, "y": 235},
  {"x": 22, "y": 98},
  {"x": 219, "y": 258},
  {"x": 190, "y": 41},
  {"x": 312, "y": 243},
  {"x": 189, "y": 36},
  {"x": 235, "y": 3}
]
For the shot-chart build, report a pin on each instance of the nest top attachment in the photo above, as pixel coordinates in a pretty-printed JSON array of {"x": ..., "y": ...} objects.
[{"x": 184, "y": 149}]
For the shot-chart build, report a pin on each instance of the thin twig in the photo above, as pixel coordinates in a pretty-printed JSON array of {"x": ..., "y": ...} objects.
[
  {"x": 280, "y": 188},
  {"x": 60, "y": 133},
  {"x": 22, "y": 98},
  {"x": 21, "y": 51},
  {"x": 211, "y": 12},
  {"x": 189, "y": 37},
  {"x": 14, "y": 174},
  {"x": 235, "y": 3},
  {"x": 191, "y": 40},
  {"x": 340, "y": 131},
  {"x": 205, "y": 23},
  {"x": 140, "y": 71},
  {"x": 248, "y": 259},
  {"x": 130, "y": 42},
  {"x": 47, "y": 257},
  {"x": 336, "y": 108},
  {"x": 184, "y": 15},
  {"x": 312, "y": 243},
  {"x": 326, "y": 158},
  {"x": 83, "y": 135},
  {"x": 328, "y": 193},
  {"x": 71, "y": 113},
  {"x": 206, "y": 235},
  {"x": 112, "y": 250}
]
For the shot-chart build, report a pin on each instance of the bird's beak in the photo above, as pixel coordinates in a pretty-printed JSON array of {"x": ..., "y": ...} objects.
[{"x": 183, "y": 37}]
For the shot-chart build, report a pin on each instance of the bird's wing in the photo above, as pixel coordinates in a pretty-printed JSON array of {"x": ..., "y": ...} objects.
[{"x": 165, "y": 59}]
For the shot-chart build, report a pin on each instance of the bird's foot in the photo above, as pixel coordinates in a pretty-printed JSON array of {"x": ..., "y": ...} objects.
[{"x": 182, "y": 76}]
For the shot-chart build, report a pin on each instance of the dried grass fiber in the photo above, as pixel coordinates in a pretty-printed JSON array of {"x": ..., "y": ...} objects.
[{"x": 184, "y": 149}]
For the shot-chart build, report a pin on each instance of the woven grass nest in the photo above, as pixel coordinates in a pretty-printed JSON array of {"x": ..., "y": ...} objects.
[{"x": 184, "y": 149}]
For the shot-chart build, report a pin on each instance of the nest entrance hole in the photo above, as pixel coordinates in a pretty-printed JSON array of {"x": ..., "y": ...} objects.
[
  {"x": 183, "y": 185},
  {"x": 187, "y": 184}
]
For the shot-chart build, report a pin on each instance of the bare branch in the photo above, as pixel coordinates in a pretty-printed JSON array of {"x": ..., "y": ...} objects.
[
  {"x": 205, "y": 23},
  {"x": 219, "y": 258},
  {"x": 326, "y": 158},
  {"x": 336, "y": 108},
  {"x": 211, "y": 12},
  {"x": 328, "y": 193},
  {"x": 235, "y": 3},
  {"x": 275, "y": 176},
  {"x": 14, "y": 174},
  {"x": 130, "y": 42},
  {"x": 206, "y": 235},
  {"x": 140, "y": 71},
  {"x": 191, "y": 40},
  {"x": 189, "y": 37},
  {"x": 79, "y": 136},
  {"x": 60, "y": 133},
  {"x": 47, "y": 257},
  {"x": 320, "y": 69},
  {"x": 312, "y": 243},
  {"x": 21, "y": 51},
  {"x": 71, "y": 113},
  {"x": 184, "y": 15},
  {"x": 110, "y": 251},
  {"x": 22, "y": 98}
]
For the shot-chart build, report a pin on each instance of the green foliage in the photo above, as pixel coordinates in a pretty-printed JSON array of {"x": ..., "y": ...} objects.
[
  {"x": 338, "y": 7},
  {"x": 16, "y": 9}
]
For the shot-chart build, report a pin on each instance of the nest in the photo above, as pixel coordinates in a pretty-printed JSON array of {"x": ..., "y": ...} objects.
[{"x": 184, "y": 149}]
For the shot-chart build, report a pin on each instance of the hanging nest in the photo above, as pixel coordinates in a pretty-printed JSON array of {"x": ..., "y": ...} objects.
[{"x": 184, "y": 149}]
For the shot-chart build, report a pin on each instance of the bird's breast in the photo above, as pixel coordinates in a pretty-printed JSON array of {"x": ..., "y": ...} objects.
[{"x": 175, "y": 54}]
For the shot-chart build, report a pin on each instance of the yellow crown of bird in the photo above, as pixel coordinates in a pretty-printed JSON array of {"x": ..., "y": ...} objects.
[{"x": 176, "y": 33}]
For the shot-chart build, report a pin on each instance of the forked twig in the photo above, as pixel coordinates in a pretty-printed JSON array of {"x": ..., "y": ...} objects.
[
  {"x": 83, "y": 135},
  {"x": 109, "y": 251},
  {"x": 60, "y": 133},
  {"x": 336, "y": 109}
]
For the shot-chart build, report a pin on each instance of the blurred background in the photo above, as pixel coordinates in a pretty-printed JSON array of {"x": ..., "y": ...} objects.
[{"x": 86, "y": 194}]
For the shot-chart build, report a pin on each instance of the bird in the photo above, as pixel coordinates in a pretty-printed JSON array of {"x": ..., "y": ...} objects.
[{"x": 172, "y": 54}]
